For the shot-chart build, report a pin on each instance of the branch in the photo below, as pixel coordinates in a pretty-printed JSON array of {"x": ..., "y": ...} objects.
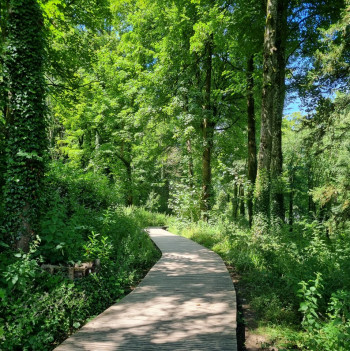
[
  {"x": 124, "y": 160},
  {"x": 295, "y": 49},
  {"x": 52, "y": 83},
  {"x": 230, "y": 126}
]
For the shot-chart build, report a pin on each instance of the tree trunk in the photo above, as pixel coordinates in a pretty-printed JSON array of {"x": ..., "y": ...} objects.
[
  {"x": 310, "y": 186},
  {"x": 291, "y": 201},
  {"x": 241, "y": 201},
  {"x": 127, "y": 163},
  {"x": 235, "y": 201},
  {"x": 252, "y": 162},
  {"x": 207, "y": 134},
  {"x": 277, "y": 205},
  {"x": 164, "y": 190},
  {"x": 26, "y": 140},
  {"x": 97, "y": 147},
  {"x": 130, "y": 198},
  {"x": 269, "y": 94},
  {"x": 190, "y": 164}
]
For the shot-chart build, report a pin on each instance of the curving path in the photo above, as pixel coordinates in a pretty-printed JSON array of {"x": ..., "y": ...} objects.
[{"x": 186, "y": 302}]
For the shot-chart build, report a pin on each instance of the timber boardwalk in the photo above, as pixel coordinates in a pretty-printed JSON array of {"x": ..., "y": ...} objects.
[{"x": 186, "y": 302}]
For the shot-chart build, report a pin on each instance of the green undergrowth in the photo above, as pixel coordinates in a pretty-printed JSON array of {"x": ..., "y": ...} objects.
[
  {"x": 298, "y": 283},
  {"x": 81, "y": 221}
]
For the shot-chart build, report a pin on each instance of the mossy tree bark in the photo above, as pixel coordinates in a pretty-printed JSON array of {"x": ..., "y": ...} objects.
[
  {"x": 252, "y": 161},
  {"x": 268, "y": 108},
  {"x": 27, "y": 141},
  {"x": 207, "y": 133},
  {"x": 277, "y": 202},
  {"x": 4, "y": 108}
]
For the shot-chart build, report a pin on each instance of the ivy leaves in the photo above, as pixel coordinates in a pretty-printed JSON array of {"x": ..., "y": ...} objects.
[{"x": 26, "y": 142}]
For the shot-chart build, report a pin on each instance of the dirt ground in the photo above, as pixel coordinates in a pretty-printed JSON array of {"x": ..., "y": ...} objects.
[{"x": 247, "y": 322}]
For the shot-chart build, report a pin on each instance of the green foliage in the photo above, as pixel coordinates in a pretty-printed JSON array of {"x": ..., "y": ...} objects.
[
  {"x": 184, "y": 202},
  {"x": 272, "y": 268},
  {"x": 39, "y": 310},
  {"x": 324, "y": 332},
  {"x": 20, "y": 273},
  {"x": 81, "y": 221},
  {"x": 74, "y": 207},
  {"x": 309, "y": 306},
  {"x": 52, "y": 306},
  {"x": 98, "y": 247}
]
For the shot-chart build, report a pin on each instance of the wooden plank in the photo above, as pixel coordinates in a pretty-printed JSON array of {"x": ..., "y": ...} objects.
[{"x": 186, "y": 302}]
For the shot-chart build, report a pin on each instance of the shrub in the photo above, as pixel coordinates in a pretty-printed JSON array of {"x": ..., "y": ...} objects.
[{"x": 81, "y": 221}]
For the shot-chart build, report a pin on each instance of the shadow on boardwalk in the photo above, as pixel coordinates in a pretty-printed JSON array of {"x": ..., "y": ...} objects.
[{"x": 186, "y": 302}]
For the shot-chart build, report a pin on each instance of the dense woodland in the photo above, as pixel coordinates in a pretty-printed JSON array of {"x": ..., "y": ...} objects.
[{"x": 119, "y": 114}]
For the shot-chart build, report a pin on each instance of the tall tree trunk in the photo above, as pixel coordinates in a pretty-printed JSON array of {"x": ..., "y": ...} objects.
[
  {"x": 269, "y": 94},
  {"x": 277, "y": 205},
  {"x": 207, "y": 134},
  {"x": 252, "y": 162},
  {"x": 27, "y": 143},
  {"x": 4, "y": 95}
]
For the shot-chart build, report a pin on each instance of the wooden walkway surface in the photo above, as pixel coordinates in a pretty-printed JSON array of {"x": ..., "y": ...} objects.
[{"x": 186, "y": 302}]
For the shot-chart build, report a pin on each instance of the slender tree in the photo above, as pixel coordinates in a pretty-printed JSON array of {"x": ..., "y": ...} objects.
[{"x": 207, "y": 132}]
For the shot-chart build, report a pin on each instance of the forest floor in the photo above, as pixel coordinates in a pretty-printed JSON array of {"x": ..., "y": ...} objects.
[{"x": 248, "y": 336}]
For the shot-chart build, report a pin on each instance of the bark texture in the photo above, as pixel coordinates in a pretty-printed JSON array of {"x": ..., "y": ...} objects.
[
  {"x": 252, "y": 161},
  {"x": 277, "y": 203},
  {"x": 207, "y": 133},
  {"x": 269, "y": 96}
]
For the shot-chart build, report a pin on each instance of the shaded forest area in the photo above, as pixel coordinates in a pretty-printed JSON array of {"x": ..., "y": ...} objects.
[{"x": 120, "y": 114}]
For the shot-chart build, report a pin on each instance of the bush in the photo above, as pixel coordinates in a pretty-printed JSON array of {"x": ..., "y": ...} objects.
[
  {"x": 40, "y": 310},
  {"x": 82, "y": 221},
  {"x": 324, "y": 332}
]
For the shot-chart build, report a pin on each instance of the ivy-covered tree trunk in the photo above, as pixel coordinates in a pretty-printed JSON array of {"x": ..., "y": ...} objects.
[
  {"x": 27, "y": 141},
  {"x": 277, "y": 203},
  {"x": 252, "y": 162},
  {"x": 268, "y": 108},
  {"x": 4, "y": 10}
]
